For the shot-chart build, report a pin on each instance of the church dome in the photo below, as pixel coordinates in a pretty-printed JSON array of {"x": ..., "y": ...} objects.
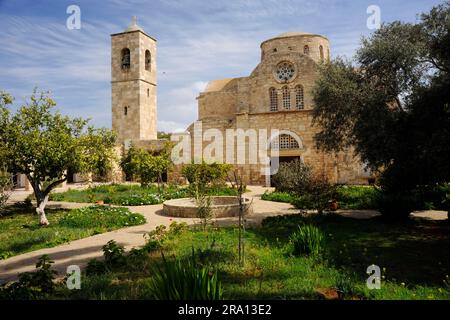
[{"x": 292, "y": 34}]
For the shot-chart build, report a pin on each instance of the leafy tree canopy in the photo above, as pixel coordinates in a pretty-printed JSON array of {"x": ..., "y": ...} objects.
[
  {"x": 391, "y": 104},
  {"x": 46, "y": 145},
  {"x": 147, "y": 166}
]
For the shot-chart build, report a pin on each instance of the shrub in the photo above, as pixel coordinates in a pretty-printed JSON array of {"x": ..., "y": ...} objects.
[
  {"x": 155, "y": 238},
  {"x": 344, "y": 286},
  {"x": 206, "y": 173},
  {"x": 145, "y": 165},
  {"x": 307, "y": 240},
  {"x": 32, "y": 285},
  {"x": 396, "y": 206},
  {"x": 134, "y": 199},
  {"x": 292, "y": 177},
  {"x": 114, "y": 258},
  {"x": 101, "y": 217},
  {"x": 356, "y": 197},
  {"x": 312, "y": 191},
  {"x": 317, "y": 195},
  {"x": 184, "y": 280},
  {"x": 177, "y": 228},
  {"x": 114, "y": 254},
  {"x": 96, "y": 267},
  {"x": 278, "y": 197}
]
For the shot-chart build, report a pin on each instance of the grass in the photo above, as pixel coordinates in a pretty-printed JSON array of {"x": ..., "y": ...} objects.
[
  {"x": 412, "y": 257},
  {"x": 348, "y": 197},
  {"x": 131, "y": 195},
  {"x": 20, "y": 231}
]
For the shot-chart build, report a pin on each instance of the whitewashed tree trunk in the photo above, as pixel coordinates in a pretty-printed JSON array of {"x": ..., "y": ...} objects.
[
  {"x": 42, "y": 197},
  {"x": 40, "y": 211}
]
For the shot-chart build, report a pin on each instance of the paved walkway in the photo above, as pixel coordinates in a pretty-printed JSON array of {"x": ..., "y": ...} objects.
[{"x": 79, "y": 252}]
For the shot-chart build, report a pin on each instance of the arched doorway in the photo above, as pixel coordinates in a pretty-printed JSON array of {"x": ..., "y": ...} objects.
[{"x": 284, "y": 147}]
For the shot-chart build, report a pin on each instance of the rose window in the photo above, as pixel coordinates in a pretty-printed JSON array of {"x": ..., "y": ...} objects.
[{"x": 285, "y": 71}]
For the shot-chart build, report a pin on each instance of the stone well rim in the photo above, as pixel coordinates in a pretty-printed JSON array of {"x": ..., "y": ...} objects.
[{"x": 190, "y": 202}]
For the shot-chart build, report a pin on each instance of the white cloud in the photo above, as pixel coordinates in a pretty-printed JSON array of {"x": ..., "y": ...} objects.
[
  {"x": 198, "y": 41},
  {"x": 179, "y": 108}
]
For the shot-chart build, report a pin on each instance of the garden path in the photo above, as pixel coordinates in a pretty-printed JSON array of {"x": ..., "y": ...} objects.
[{"x": 79, "y": 252}]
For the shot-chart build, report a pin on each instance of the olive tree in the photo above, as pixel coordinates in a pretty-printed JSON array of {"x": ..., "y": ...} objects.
[
  {"x": 391, "y": 104},
  {"x": 45, "y": 145}
]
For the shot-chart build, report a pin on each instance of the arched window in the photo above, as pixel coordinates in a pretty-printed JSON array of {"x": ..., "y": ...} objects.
[
  {"x": 306, "y": 50},
  {"x": 148, "y": 92},
  {"x": 126, "y": 59},
  {"x": 148, "y": 60},
  {"x": 125, "y": 111},
  {"x": 287, "y": 141},
  {"x": 299, "y": 98},
  {"x": 273, "y": 99},
  {"x": 286, "y": 98},
  {"x": 321, "y": 53}
]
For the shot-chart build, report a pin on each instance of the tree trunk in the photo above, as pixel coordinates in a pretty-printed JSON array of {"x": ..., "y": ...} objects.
[
  {"x": 42, "y": 197},
  {"x": 41, "y": 203}
]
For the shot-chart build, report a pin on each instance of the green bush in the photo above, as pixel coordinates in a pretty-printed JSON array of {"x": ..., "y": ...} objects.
[
  {"x": 134, "y": 195},
  {"x": 344, "y": 286},
  {"x": 184, "y": 280},
  {"x": 134, "y": 199},
  {"x": 32, "y": 285},
  {"x": 292, "y": 177},
  {"x": 114, "y": 258},
  {"x": 357, "y": 197},
  {"x": 307, "y": 240},
  {"x": 147, "y": 166},
  {"x": 278, "y": 197},
  {"x": 348, "y": 197},
  {"x": 434, "y": 197},
  {"x": 155, "y": 238},
  {"x": 310, "y": 191},
  {"x": 101, "y": 217},
  {"x": 396, "y": 206},
  {"x": 96, "y": 267},
  {"x": 114, "y": 254},
  {"x": 207, "y": 173}
]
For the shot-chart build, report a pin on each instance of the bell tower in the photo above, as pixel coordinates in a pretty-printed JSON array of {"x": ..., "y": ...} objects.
[{"x": 133, "y": 84}]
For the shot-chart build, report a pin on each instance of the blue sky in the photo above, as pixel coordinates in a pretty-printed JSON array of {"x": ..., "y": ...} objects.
[{"x": 198, "y": 41}]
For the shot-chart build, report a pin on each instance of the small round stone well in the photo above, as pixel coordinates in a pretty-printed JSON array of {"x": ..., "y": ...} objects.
[{"x": 221, "y": 207}]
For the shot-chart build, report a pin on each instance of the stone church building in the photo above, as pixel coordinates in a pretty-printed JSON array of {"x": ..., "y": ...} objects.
[{"x": 276, "y": 95}]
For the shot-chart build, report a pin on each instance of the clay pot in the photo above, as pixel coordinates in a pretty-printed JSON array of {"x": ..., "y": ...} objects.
[{"x": 334, "y": 205}]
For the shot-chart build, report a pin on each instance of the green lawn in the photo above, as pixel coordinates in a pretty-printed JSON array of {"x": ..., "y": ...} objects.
[
  {"x": 131, "y": 195},
  {"x": 20, "y": 231},
  {"x": 414, "y": 257},
  {"x": 366, "y": 197},
  {"x": 348, "y": 197}
]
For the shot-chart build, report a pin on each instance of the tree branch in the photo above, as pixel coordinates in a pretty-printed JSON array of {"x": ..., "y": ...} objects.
[{"x": 53, "y": 185}]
